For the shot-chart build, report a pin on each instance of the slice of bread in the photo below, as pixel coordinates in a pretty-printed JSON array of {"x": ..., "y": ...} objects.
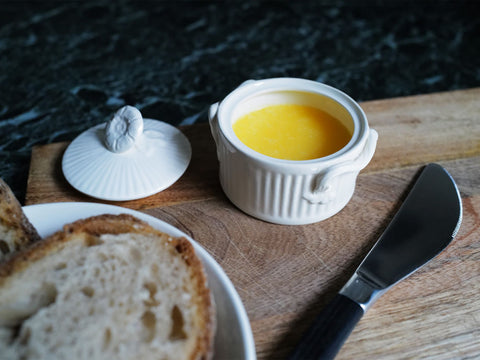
[
  {"x": 106, "y": 287},
  {"x": 16, "y": 232}
]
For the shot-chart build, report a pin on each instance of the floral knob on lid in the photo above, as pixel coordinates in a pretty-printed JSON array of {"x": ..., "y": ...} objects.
[
  {"x": 126, "y": 158},
  {"x": 125, "y": 127}
]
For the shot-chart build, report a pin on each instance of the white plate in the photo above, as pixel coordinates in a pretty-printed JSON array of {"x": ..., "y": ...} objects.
[{"x": 233, "y": 339}]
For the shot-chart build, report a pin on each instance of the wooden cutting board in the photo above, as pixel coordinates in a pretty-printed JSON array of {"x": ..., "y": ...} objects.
[{"x": 286, "y": 274}]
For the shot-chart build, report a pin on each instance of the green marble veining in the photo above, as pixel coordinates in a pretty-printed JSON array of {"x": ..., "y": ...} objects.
[{"x": 66, "y": 66}]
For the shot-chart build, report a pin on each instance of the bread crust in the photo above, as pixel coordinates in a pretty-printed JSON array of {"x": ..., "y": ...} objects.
[
  {"x": 92, "y": 228},
  {"x": 13, "y": 220}
]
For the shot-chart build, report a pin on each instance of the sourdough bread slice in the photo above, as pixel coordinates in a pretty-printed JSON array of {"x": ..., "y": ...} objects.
[
  {"x": 107, "y": 287},
  {"x": 16, "y": 232}
]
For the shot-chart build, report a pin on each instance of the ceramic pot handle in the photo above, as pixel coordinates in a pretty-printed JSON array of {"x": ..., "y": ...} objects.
[
  {"x": 213, "y": 120},
  {"x": 323, "y": 191}
]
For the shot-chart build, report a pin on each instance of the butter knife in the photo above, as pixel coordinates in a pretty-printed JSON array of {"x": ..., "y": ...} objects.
[{"x": 425, "y": 224}]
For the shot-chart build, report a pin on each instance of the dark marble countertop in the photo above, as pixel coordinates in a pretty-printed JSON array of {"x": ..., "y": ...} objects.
[{"x": 66, "y": 66}]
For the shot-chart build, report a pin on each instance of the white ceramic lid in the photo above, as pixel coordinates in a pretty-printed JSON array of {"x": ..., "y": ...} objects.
[{"x": 158, "y": 158}]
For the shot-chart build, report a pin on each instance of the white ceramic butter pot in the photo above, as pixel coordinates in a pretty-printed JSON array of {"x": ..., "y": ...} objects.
[{"x": 281, "y": 191}]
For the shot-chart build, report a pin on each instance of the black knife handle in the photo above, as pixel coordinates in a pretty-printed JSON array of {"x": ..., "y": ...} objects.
[{"x": 329, "y": 330}]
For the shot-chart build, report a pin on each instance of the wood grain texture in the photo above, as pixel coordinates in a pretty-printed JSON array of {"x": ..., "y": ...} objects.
[
  {"x": 428, "y": 128},
  {"x": 286, "y": 274},
  {"x": 46, "y": 182}
]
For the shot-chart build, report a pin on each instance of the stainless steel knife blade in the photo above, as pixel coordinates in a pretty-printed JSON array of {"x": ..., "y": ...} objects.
[{"x": 425, "y": 224}]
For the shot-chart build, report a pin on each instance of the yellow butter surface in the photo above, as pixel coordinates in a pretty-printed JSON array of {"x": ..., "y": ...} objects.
[{"x": 292, "y": 132}]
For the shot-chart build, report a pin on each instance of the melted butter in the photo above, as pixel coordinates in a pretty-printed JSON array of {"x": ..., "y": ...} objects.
[{"x": 292, "y": 132}]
